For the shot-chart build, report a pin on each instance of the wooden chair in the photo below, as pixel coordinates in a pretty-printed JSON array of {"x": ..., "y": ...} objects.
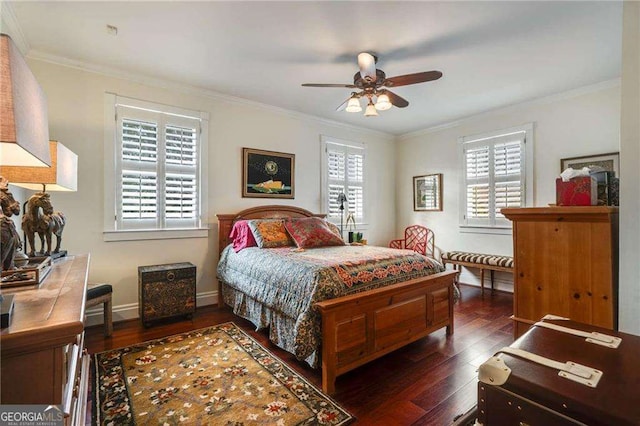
[
  {"x": 416, "y": 238},
  {"x": 101, "y": 293}
]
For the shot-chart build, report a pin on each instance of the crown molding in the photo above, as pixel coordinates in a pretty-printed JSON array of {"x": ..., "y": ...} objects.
[
  {"x": 190, "y": 90},
  {"x": 569, "y": 94},
  {"x": 11, "y": 27}
]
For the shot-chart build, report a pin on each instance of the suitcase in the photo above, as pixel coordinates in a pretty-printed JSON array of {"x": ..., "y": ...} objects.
[{"x": 535, "y": 394}]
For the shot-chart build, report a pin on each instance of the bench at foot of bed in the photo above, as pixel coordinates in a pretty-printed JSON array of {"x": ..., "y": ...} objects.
[
  {"x": 359, "y": 328},
  {"x": 490, "y": 262}
]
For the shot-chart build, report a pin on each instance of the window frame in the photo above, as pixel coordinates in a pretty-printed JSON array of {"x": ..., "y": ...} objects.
[
  {"x": 325, "y": 141},
  {"x": 493, "y": 225},
  {"x": 112, "y": 229}
]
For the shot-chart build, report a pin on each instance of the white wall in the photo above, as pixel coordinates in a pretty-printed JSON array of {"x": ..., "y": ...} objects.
[
  {"x": 629, "y": 297},
  {"x": 75, "y": 101},
  {"x": 582, "y": 122}
]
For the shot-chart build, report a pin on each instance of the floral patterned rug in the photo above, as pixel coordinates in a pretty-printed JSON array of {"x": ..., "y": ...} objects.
[{"x": 218, "y": 375}]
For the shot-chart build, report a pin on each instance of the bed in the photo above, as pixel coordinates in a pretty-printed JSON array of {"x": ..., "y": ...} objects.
[{"x": 338, "y": 307}]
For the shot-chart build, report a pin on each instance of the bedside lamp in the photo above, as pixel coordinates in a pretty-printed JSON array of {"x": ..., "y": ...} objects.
[
  {"x": 61, "y": 176},
  {"x": 341, "y": 199}
]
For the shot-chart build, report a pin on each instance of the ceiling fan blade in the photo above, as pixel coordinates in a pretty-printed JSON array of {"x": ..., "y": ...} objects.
[
  {"x": 343, "y": 105},
  {"x": 419, "y": 77},
  {"x": 348, "y": 86},
  {"x": 397, "y": 101},
  {"x": 367, "y": 64}
]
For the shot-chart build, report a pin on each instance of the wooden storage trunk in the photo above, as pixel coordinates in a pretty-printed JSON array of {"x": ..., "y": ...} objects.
[
  {"x": 535, "y": 394},
  {"x": 166, "y": 291}
]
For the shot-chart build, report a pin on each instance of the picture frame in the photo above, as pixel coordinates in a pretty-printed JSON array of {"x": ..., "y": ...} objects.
[
  {"x": 609, "y": 162},
  {"x": 427, "y": 192},
  {"x": 267, "y": 174}
]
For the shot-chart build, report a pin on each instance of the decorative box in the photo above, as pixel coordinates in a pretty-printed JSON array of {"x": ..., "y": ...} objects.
[
  {"x": 578, "y": 191},
  {"x": 166, "y": 291}
]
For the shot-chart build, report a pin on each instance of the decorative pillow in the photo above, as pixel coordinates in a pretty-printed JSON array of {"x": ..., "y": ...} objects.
[
  {"x": 312, "y": 232},
  {"x": 270, "y": 233},
  {"x": 333, "y": 228},
  {"x": 242, "y": 236}
]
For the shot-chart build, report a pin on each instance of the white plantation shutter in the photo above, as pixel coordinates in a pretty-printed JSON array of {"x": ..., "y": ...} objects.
[
  {"x": 158, "y": 163},
  {"x": 493, "y": 171},
  {"x": 139, "y": 195},
  {"x": 508, "y": 171},
  {"x": 181, "y": 145},
  {"x": 180, "y": 196},
  {"x": 345, "y": 171},
  {"x": 139, "y": 141}
]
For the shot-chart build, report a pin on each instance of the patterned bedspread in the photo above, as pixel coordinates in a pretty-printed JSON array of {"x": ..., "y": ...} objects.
[{"x": 278, "y": 287}]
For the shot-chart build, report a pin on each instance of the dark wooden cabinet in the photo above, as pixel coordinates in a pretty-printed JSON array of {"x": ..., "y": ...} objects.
[
  {"x": 566, "y": 263},
  {"x": 166, "y": 291}
]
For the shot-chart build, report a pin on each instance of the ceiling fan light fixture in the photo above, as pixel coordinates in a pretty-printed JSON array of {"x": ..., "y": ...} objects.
[
  {"x": 383, "y": 103},
  {"x": 371, "y": 110},
  {"x": 353, "y": 105}
]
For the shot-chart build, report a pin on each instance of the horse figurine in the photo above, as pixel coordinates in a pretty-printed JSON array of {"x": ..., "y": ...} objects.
[
  {"x": 40, "y": 218},
  {"x": 10, "y": 240}
]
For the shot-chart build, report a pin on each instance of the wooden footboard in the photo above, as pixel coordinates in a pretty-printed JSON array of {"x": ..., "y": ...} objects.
[{"x": 359, "y": 328}]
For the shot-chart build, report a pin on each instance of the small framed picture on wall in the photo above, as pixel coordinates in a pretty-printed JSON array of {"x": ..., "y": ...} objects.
[
  {"x": 427, "y": 192},
  {"x": 609, "y": 162},
  {"x": 267, "y": 174}
]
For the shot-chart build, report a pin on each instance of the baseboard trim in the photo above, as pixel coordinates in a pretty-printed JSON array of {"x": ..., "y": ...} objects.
[{"x": 129, "y": 311}]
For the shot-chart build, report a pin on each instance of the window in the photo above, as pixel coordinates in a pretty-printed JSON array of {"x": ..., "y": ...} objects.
[
  {"x": 496, "y": 173},
  {"x": 343, "y": 171},
  {"x": 157, "y": 174}
]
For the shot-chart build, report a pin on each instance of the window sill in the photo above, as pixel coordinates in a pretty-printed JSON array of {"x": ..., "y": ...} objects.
[
  {"x": 485, "y": 230},
  {"x": 155, "y": 234}
]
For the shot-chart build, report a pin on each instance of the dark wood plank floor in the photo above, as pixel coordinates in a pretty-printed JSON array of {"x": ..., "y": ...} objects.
[{"x": 428, "y": 382}]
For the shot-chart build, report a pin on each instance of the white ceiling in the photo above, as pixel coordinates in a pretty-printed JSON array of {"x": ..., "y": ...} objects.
[{"x": 492, "y": 54}]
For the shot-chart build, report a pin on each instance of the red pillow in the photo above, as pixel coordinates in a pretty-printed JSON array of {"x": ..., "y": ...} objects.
[
  {"x": 242, "y": 236},
  {"x": 312, "y": 232}
]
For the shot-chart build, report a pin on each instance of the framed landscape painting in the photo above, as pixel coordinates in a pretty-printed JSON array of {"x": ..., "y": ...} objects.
[
  {"x": 267, "y": 174},
  {"x": 427, "y": 192},
  {"x": 609, "y": 162}
]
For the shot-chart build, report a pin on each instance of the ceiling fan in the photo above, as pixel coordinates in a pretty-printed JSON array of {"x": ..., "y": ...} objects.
[{"x": 373, "y": 83}]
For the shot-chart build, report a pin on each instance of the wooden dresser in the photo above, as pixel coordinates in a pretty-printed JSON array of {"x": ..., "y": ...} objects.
[
  {"x": 566, "y": 263},
  {"x": 42, "y": 350}
]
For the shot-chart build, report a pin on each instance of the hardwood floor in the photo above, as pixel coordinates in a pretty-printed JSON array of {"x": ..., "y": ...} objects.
[{"x": 428, "y": 382}]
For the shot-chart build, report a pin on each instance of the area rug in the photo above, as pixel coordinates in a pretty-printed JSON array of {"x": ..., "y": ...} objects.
[{"x": 218, "y": 375}]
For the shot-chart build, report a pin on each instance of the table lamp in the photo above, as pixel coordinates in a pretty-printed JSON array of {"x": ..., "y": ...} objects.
[
  {"x": 24, "y": 132},
  {"x": 39, "y": 216},
  {"x": 341, "y": 199}
]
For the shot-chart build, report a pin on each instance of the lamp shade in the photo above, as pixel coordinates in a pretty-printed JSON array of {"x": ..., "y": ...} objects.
[
  {"x": 61, "y": 176},
  {"x": 24, "y": 127},
  {"x": 353, "y": 105},
  {"x": 383, "y": 103},
  {"x": 371, "y": 110}
]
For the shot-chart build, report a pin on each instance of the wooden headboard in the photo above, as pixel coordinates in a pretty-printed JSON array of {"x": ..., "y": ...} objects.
[{"x": 225, "y": 221}]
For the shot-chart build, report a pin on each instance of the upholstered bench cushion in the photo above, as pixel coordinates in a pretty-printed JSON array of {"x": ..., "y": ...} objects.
[
  {"x": 478, "y": 258},
  {"x": 99, "y": 290}
]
